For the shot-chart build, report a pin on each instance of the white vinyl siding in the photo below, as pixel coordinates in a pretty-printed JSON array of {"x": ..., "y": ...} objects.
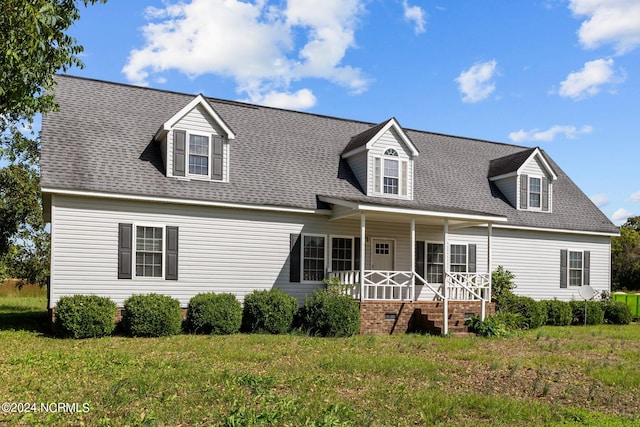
[
  {"x": 509, "y": 188},
  {"x": 379, "y": 168},
  {"x": 358, "y": 164},
  {"x": 241, "y": 250},
  {"x": 197, "y": 121},
  {"x": 534, "y": 258}
]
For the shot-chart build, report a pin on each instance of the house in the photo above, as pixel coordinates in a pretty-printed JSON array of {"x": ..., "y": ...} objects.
[{"x": 155, "y": 191}]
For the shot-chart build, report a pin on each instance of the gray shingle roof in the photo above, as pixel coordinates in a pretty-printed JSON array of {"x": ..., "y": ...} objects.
[
  {"x": 102, "y": 140},
  {"x": 510, "y": 163}
]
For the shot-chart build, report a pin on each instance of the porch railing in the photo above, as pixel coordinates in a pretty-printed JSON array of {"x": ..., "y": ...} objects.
[
  {"x": 400, "y": 285},
  {"x": 467, "y": 287}
]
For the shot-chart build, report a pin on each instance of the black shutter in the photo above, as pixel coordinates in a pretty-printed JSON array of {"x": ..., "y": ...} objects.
[
  {"x": 524, "y": 191},
  {"x": 216, "y": 157},
  {"x": 563, "y": 268},
  {"x": 472, "y": 259},
  {"x": 545, "y": 194},
  {"x": 294, "y": 258},
  {"x": 420, "y": 258},
  {"x": 125, "y": 247},
  {"x": 356, "y": 254},
  {"x": 586, "y": 268},
  {"x": 171, "y": 269},
  {"x": 179, "y": 152}
]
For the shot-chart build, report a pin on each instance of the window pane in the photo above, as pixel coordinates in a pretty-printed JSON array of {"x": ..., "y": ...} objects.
[
  {"x": 534, "y": 192},
  {"x": 575, "y": 260},
  {"x": 391, "y": 152},
  {"x": 459, "y": 258},
  {"x": 391, "y": 168},
  {"x": 377, "y": 175},
  {"x": 435, "y": 263},
  {"x": 198, "y": 155},
  {"x": 575, "y": 277},
  {"x": 149, "y": 251},
  {"x": 341, "y": 253},
  {"x": 313, "y": 262}
]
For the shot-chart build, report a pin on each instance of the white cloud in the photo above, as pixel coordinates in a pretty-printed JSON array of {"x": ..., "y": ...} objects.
[
  {"x": 253, "y": 43},
  {"x": 587, "y": 82},
  {"x": 615, "y": 22},
  {"x": 299, "y": 100},
  {"x": 600, "y": 200},
  {"x": 477, "y": 83},
  {"x": 569, "y": 132},
  {"x": 635, "y": 197},
  {"x": 416, "y": 15},
  {"x": 620, "y": 216}
]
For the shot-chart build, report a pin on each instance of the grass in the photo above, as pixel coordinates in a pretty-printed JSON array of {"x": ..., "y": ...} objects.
[{"x": 550, "y": 376}]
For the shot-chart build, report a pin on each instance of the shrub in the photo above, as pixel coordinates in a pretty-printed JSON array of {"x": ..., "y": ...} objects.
[
  {"x": 331, "y": 314},
  {"x": 497, "y": 325},
  {"x": 595, "y": 312},
  {"x": 217, "y": 314},
  {"x": 502, "y": 285},
  {"x": 85, "y": 316},
  {"x": 533, "y": 313},
  {"x": 616, "y": 312},
  {"x": 152, "y": 315},
  {"x": 269, "y": 311},
  {"x": 559, "y": 313}
]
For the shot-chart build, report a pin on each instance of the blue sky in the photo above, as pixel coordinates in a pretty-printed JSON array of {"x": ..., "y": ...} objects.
[{"x": 559, "y": 74}]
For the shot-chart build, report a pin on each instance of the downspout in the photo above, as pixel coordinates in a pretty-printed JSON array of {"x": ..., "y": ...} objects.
[{"x": 362, "y": 254}]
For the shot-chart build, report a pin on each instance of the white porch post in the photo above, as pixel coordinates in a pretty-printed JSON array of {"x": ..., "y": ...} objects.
[
  {"x": 445, "y": 329},
  {"x": 362, "y": 254},
  {"x": 413, "y": 259}
]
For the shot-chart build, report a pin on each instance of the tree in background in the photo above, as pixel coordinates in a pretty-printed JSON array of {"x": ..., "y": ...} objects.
[
  {"x": 33, "y": 47},
  {"x": 625, "y": 256}
]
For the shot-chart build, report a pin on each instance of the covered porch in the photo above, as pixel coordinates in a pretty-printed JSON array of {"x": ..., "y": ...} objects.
[{"x": 411, "y": 268}]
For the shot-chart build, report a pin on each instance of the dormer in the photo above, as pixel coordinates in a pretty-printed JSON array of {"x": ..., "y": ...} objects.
[
  {"x": 525, "y": 179},
  {"x": 382, "y": 158},
  {"x": 195, "y": 143}
]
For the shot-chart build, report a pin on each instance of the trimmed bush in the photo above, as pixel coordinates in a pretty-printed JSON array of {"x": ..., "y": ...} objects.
[
  {"x": 595, "y": 312},
  {"x": 559, "y": 313},
  {"x": 217, "y": 314},
  {"x": 269, "y": 311},
  {"x": 331, "y": 314},
  {"x": 533, "y": 313},
  {"x": 498, "y": 325},
  {"x": 617, "y": 312},
  {"x": 152, "y": 315},
  {"x": 85, "y": 316}
]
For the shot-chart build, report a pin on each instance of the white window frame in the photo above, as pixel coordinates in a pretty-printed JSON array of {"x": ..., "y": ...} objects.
[
  {"x": 466, "y": 254},
  {"x": 569, "y": 269},
  {"x": 209, "y": 155},
  {"x": 134, "y": 263},
  {"x": 353, "y": 246},
  {"x": 426, "y": 261},
  {"x": 302, "y": 257},
  {"x": 529, "y": 193},
  {"x": 379, "y": 175}
]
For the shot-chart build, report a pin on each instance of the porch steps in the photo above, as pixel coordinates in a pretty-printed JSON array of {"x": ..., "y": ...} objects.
[{"x": 433, "y": 320}]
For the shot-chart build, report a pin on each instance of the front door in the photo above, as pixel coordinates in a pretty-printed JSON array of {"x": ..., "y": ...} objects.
[{"x": 382, "y": 254}]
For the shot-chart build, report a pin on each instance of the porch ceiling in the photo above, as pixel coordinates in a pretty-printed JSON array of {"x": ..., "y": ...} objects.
[{"x": 342, "y": 209}]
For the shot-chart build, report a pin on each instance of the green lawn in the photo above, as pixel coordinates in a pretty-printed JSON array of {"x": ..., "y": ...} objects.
[{"x": 550, "y": 376}]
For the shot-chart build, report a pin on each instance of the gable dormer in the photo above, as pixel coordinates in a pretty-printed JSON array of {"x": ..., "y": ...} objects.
[
  {"x": 195, "y": 143},
  {"x": 526, "y": 180},
  {"x": 382, "y": 158}
]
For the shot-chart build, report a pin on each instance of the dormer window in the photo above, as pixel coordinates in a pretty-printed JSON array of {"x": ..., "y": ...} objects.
[
  {"x": 391, "y": 172},
  {"x": 198, "y": 155},
  {"x": 535, "y": 192}
]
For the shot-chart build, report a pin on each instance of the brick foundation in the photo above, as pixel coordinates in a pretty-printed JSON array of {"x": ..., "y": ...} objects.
[{"x": 397, "y": 317}]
